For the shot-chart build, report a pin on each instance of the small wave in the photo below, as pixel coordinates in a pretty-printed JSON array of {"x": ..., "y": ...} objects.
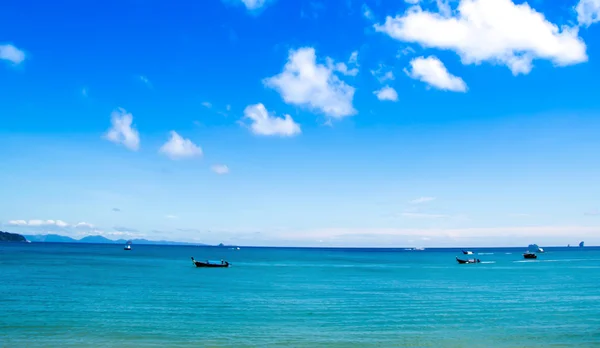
[
  {"x": 485, "y": 253},
  {"x": 488, "y": 262},
  {"x": 507, "y": 253},
  {"x": 561, "y": 260}
]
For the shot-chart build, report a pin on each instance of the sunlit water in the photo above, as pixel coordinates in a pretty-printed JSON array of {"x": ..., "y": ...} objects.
[{"x": 77, "y": 295}]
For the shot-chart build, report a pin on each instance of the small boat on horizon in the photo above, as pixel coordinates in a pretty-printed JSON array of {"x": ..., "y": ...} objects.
[
  {"x": 530, "y": 255},
  {"x": 461, "y": 261},
  {"x": 127, "y": 245},
  {"x": 211, "y": 264},
  {"x": 467, "y": 252}
]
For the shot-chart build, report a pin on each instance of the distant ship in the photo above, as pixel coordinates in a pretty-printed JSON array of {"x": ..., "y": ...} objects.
[
  {"x": 581, "y": 245},
  {"x": 128, "y": 245}
]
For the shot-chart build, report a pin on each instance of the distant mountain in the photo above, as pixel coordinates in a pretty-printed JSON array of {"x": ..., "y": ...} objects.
[
  {"x": 54, "y": 238},
  {"x": 11, "y": 237},
  {"x": 96, "y": 240},
  {"x": 50, "y": 238}
]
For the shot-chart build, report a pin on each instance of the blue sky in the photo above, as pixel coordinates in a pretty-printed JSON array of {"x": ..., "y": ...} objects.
[{"x": 310, "y": 123}]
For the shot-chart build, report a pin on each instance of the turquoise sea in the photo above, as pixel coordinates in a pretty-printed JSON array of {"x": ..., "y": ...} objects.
[{"x": 78, "y": 295}]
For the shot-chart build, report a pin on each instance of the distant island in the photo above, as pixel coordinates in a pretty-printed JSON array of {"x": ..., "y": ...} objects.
[
  {"x": 11, "y": 237},
  {"x": 55, "y": 238}
]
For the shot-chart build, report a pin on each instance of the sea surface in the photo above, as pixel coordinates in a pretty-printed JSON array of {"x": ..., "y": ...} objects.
[{"x": 78, "y": 295}]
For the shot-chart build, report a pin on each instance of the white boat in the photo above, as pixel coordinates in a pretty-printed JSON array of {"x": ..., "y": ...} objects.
[
  {"x": 128, "y": 246},
  {"x": 535, "y": 248}
]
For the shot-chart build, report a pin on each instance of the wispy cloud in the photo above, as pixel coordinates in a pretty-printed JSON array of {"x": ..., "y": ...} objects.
[
  {"x": 123, "y": 131},
  {"x": 125, "y": 229},
  {"x": 220, "y": 169},
  {"x": 171, "y": 216},
  {"x": 367, "y": 12},
  {"x": 424, "y": 215},
  {"x": 383, "y": 73},
  {"x": 421, "y": 200},
  {"x": 50, "y": 223},
  {"x": 10, "y": 53},
  {"x": 594, "y": 212},
  {"x": 38, "y": 223},
  {"x": 519, "y": 215},
  {"x": 116, "y": 210},
  {"x": 207, "y": 105},
  {"x": 145, "y": 80}
]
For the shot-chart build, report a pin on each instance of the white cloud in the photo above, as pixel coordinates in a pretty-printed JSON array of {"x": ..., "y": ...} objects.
[
  {"x": 422, "y": 200},
  {"x": 519, "y": 215},
  {"x": 433, "y": 72},
  {"x": 265, "y": 124},
  {"x": 207, "y": 105},
  {"x": 588, "y": 12},
  {"x": 220, "y": 169},
  {"x": 12, "y": 54},
  {"x": 228, "y": 107},
  {"x": 386, "y": 93},
  {"x": 405, "y": 52},
  {"x": 17, "y": 223},
  {"x": 496, "y": 31},
  {"x": 171, "y": 216},
  {"x": 83, "y": 225},
  {"x": 350, "y": 69},
  {"x": 383, "y": 74},
  {"x": 367, "y": 12},
  {"x": 412, "y": 2},
  {"x": 178, "y": 147},
  {"x": 469, "y": 236},
  {"x": 424, "y": 216},
  {"x": 444, "y": 7},
  {"x": 145, "y": 80},
  {"x": 122, "y": 131},
  {"x": 38, "y": 223},
  {"x": 594, "y": 212},
  {"x": 306, "y": 83},
  {"x": 254, "y": 4}
]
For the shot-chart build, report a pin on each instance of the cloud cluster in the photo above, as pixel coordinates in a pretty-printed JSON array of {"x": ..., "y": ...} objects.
[
  {"x": 49, "y": 223},
  {"x": 306, "y": 83},
  {"x": 588, "y": 12},
  {"x": 498, "y": 31}
]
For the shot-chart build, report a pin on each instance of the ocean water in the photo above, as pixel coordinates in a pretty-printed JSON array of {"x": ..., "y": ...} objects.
[{"x": 77, "y": 295}]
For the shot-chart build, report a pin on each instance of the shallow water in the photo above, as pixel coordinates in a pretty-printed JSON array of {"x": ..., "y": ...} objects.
[{"x": 79, "y": 295}]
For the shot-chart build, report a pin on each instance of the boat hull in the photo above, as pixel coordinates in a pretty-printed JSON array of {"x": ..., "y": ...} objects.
[
  {"x": 461, "y": 261},
  {"x": 201, "y": 264},
  {"x": 210, "y": 265}
]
